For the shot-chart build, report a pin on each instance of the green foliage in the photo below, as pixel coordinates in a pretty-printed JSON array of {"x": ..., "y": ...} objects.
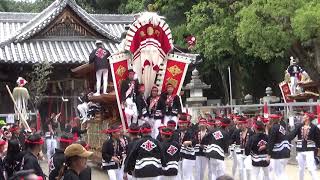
[
  {"x": 306, "y": 22},
  {"x": 38, "y": 81}
]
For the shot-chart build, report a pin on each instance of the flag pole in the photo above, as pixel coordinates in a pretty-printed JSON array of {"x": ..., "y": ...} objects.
[{"x": 24, "y": 122}]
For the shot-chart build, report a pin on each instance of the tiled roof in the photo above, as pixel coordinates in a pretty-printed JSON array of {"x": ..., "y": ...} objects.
[{"x": 17, "y": 29}]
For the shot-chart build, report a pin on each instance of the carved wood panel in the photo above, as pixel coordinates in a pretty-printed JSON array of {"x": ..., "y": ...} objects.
[{"x": 67, "y": 24}]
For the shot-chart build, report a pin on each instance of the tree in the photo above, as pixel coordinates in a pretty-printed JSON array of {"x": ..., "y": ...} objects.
[
  {"x": 39, "y": 77},
  {"x": 214, "y": 24},
  {"x": 276, "y": 29}
]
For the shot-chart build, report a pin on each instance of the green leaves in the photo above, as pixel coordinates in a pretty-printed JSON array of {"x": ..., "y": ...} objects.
[{"x": 306, "y": 22}]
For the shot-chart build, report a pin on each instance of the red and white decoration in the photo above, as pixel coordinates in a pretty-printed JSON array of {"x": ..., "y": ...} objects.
[
  {"x": 149, "y": 39},
  {"x": 148, "y": 145}
]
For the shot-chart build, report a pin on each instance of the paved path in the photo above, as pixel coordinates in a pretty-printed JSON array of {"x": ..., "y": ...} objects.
[{"x": 97, "y": 174}]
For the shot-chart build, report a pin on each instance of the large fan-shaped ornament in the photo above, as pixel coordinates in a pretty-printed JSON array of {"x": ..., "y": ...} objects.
[
  {"x": 21, "y": 96},
  {"x": 149, "y": 39}
]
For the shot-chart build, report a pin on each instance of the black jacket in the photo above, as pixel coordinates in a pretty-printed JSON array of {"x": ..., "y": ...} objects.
[
  {"x": 199, "y": 147},
  {"x": 99, "y": 57},
  {"x": 111, "y": 148},
  {"x": 239, "y": 141},
  {"x": 187, "y": 152},
  {"x": 157, "y": 111},
  {"x": 309, "y": 143},
  {"x": 2, "y": 169},
  {"x": 30, "y": 161},
  {"x": 171, "y": 151},
  {"x": 125, "y": 85},
  {"x": 278, "y": 144},
  {"x": 172, "y": 108},
  {"x": 70, "y": 175},
  {"x": 259, "y": 158},
  {"x": 216, "y": 143},
  {"x": 146, "y": 158},
  {"x": 129, "y": 148},
  {"x": 141, "y": 106},
  {"x": 85, "y": 174},
  {"x": 56, "y": 163}
]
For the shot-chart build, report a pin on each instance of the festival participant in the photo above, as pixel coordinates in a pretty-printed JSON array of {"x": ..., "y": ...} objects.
[
  {"x": 112, "y": 153},
  {"x": 307, "y": 143},
  {"x": 142, "y": 105},
  {"x": 172, "y": 104},
  {"x": 134, "y": 131},
  {"x": 201, "y": 159},
  {"x": 278, "y": 147},
  {"x": 217, "y": 142},
  {"x": 129, "y": 91},
  {"x": 171, "y": 151},
  {"x": 77, "y": 131},
  {"x": 76, "y": 161},
  {"x": 51, "y": 134},
  {"x": 146, "y": 160},
  {"x": 14, "y": 157},
  {"x": 257, "y": 148},
  {"x": 86, "y": 173},
  {"x": 83, "y": 107},
  {"x": 173, "y": 126},
  {"x": 233, "y": 153},
  {"x": 187, "y": 152},
  {"x": 58, "y": 158},
  {"x": 2, "y": 163},
  {"x": 156, "y": 107},
  {"x": 99, "y": 57},
  {"x": 240, "y": 137},
  {"x": 30, "y": 160},
  {"x": 294, "y": 71}
]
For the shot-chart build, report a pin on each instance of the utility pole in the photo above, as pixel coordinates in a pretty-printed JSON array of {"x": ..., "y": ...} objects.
[{"x": 230, "y": 87}]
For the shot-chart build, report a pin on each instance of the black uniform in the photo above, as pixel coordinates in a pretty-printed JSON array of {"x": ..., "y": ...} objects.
[
  {"x": 187, "y": 152},
  {"x": 240, "y": 140},
  {"x": 146, "y": 158},
  {"x": 217, "y": 143},
  {"x": 142, "y": 106},
  {"x": 125, "y": 85},
  {"x": 308, "y": 140},
  {"x": 111, "y": 148},
  {"x": 172, "y": 104},
  {"x": 171, "y": 151},
  {"x": 30, "y": 161},
  {"x": 156, "y": 110},
  {"x": 129, "y": 148},
  {"x": 2, "y": 169},
  {"x": 259, "y": 158},
  {"x": 85, "y": 174},
  {"x": 199, "y": 147},
  {"x": 293, "y": 70},
  {"x": 56, "y": 163},
  {"x": 99, "y": 57},
  {"x": 278, "y": 144}
]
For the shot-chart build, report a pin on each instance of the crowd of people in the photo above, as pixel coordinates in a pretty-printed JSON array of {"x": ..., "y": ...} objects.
[
  {"x": 183, "y": 150},
  {"x": 21, "y": 151},
  {"x": 198, "y": 151}
]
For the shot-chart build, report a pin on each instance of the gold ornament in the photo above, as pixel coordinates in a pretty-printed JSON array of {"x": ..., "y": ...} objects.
[
  {"x": 174, "y": 70},
  {"x": 172, "y": 81},
  {"x": 121, "y": 70}
]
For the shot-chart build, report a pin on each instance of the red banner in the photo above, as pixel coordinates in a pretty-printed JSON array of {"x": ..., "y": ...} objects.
[
  {"x": 176, "y": 68},
  {"x": 119, "y": 71},
  {"x": 285, "y": 91},
  {"x": 318, "y": 113}
]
